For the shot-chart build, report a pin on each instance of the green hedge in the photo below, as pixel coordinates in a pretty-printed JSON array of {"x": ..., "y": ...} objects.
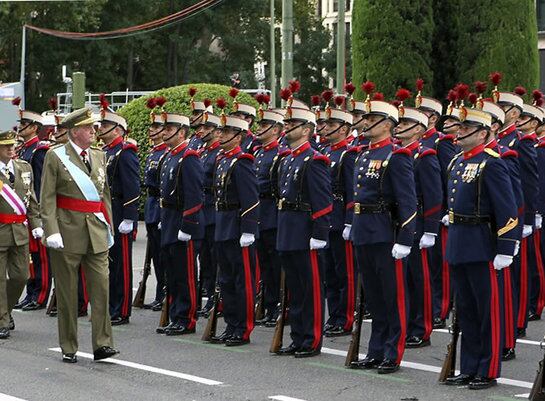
[{"x": 137, "y": 114}]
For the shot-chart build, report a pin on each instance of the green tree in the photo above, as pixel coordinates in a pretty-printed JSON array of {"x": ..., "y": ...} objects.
[
  {"x": 498, "y": 35},
  {"x": 392, "y": 43}
]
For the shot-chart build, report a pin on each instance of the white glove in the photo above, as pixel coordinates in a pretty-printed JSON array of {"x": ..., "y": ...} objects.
[
  {"x": 246, "y": 239},
  {"x": 502, "y": 261},
  {"x": 126, "y": 226},
  {"x": 184, "y": 237},
  {"x": 400, "y": 251},
  {"x": 346, "y": 232},
  {"x": 539, "y": 221},
  {"x": 427, "y": 240},
  {"x": 38, "y": 233},
  {"x": 517, "y": 248},
  {"x": 54, "y": 241},
  {"x": 159, "y": 225},
  {"x": 444, "y": 220},
  {"x": 317, "y": 244},
  {"x": 526, "y": 230}
]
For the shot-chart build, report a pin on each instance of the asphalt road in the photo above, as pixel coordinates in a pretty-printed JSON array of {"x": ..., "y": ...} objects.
[{"x": 155, "y": 367}]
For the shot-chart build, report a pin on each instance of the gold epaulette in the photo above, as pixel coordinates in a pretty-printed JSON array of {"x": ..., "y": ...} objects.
[{"x": 491, "y": 152}]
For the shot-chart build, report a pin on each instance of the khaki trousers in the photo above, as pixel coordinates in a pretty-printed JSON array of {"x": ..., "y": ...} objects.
[{"x": 14, "y": 261}]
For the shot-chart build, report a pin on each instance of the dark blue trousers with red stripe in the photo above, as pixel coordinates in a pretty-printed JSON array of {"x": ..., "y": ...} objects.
[
  {"x": 384, "y": 286},
  {"x": 478, "y": 303},
  {"x": 420, "y": 323},
  {"x": 237, "y": 283},
  {"x": 208, "y": 262},
  {"x": 120, "y": 257},
  {"x": 39, "y": 283},
  {"x": 536, "y": 274},
  {"x": 520, "y": 276},
  {"x": 269, "y": 264},
  {"x": 154, "y": 237},
  {"x": 340, "y": 282},
  {"x": 509, "y": 306},
  {"x": 306, "y": 301},
  {"x": 440, "y": 276},
  {"x": 179, "y": 260}
]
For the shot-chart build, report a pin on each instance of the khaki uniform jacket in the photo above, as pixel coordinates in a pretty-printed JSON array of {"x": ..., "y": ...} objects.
[
  {"x": 81, "y": 232},
  {"x": 17, "y": 234}
]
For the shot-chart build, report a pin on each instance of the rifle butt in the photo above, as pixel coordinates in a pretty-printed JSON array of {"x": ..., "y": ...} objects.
[
  {"x": 210, "y": 329},
  {"x": 448, "y": 369},
  {"x": 278, "y": 335},
  {"x": 138, "y": 301}
]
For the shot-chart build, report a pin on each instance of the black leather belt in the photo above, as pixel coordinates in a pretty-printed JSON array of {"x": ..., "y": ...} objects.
[
  {"x": 454, "y": 218},
  {"x": 168, "y": 205},
  {"x": 153, "y": 192},
  {"x": 361, "y": 208},
  {"x": 225, "y": 206},
  {"x": 266, "y": 195},
  {"x": 293, "y": 206}
]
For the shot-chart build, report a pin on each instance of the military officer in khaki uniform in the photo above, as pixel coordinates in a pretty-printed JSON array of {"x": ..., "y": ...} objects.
[
  {"x": 76, "y": 209},
  {"x": 18, "y": 208}
]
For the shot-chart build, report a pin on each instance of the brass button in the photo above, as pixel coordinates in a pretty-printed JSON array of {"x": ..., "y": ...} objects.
[
  {"x": 452, "y": 199},
  {"x": 453, "y": 190}
]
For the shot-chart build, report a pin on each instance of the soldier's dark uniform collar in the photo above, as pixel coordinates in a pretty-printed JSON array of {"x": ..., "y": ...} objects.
[
  {"x": 160, "y": 147},
  {"x": 114, "y": 143},
  {"x": 213, "y": 146},
  {"x": 413, "y": 146},
  {"x": 232, "y": 152},
  {"x": 341, "y": 144},
  {"x": 31, "y": 142},
  {"x": 270, "y": 146},
  {"x": 301, "y": 149},
  {"x": 474, "y": 152},
  {"x": 380, "y": 144},
  {"x": 429, "y": 133},
  {"x": 507, "y": 131},
  {"x": 177, "y": 149}
]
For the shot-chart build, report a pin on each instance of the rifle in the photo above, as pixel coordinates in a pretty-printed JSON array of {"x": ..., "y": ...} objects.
[
  {"x": 52, "y": 303},
  {"x": 141, "y": 293},
  {"x": 259, "y": 304},
  {"x": 164, "y": 320},
  {"x": 281, "y": 320},
  {"x": 538, "y": 392},
  {"x": 354, "y": 347},
  {"x": 449, "y": 365},
  {"x": 211, "y": 325}
]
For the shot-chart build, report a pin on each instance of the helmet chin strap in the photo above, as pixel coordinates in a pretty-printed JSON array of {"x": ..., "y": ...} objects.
[
  {"x": 294, "y": 128},
  {"x": 375, "y": 124},
  {"x": 196, "y": 118},
  {"x": 110, "y": 130},
  {"x": 406, "y": 129},
  {"x": 230, "y": 139},
  {"x": 523, "y": 124},
  {"x": 157, "y": 133},
  {"x": 173, "y": 135},
  {"x": 450, "y": 126},
  {"x": 264, "y": 132},
  {"x": 334, "y": 131},
  {"x": 320, "y": 130},
  {"x": 470, "y": 134},
  {"x": 204, "y": 138}
]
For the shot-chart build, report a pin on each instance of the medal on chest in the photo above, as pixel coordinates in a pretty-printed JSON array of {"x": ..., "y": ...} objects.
[
  {"x": 373, "y": 169},
  {"x": 470, "y": 172}
]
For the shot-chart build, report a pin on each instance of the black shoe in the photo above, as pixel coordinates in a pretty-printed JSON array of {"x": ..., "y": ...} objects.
[
  {"x": 178, "y": 330},
  {"x": 388, "y": 366},
  {"x": 4, "y": 333},
  {"x": 439, "y": 323},
  {"x": 508, "y": 354},
  {"x": 32, "y": 306},
  {"x": 152, "y": 304},
  {"x": 271, "y": 322},
  {"x": 289, "y": 350},
  {"x": 104, "y": 352},
  {"x": 481, "y": 383},
  {"x": 307, "y": 352},
  {"x": 118, "y": 321},
  {"x": 337, "y": 331},
  {"x": 83, "y": 313},
  {"x": 366, "y": 363},
  {"x": 53, "y": 312},
  {"x": 262, "y": 322},
  {"x": 532, "y": 317},
  {"x": 328, "y": 326},
  {"x": 236, "y": 340},
  {"x": 157, "y": 307},
  {"x": 19, "y": 305},
  {"x": 11, "y": 325},
  {"x": 205, "y": 310},
  {"x": 367, "y": 315},
  {"x": 69, "y": 358},
  {"x": 459, "y": 380},
  {"x": 416, "y": 342},
  {"x": 521, "y": 333},
  {"x": 221, "y": 338},
  {"x": 161, "y": 330}
]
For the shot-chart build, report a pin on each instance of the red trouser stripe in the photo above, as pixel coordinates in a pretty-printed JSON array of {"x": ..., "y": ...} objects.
[
  {"x": 349, "y": 251},
  {"x": 508, "y": 301},
  {"x": 428, "y": 313},
  {"x": 316, "y": 298},
  {"x": 42, "y": 296},
  {"x": 445, "y": 275},
  {"x": 126, "y": 267},
  {"x": 541, "y": 273},
  {"x": 84, "y": 286},
  {"x": 523, "y": 292},
  {"x": 191, "y": 284},
  {"x": 400, "y": 284},
  {"x": 249, "y": 292},
  {"x": 495, "y": 323}
]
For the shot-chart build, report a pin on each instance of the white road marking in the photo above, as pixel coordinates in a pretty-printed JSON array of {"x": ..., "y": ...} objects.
[
  {"x": 5, "y": 397},
  {"x": 526, "y": 395},
  {"x": 152, "y": 369},
  {"x": 428, "y": 368},
  {"x": 284, "y": 398}
]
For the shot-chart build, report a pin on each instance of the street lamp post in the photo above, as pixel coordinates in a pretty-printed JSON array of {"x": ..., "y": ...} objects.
[
  {"x": 341, "y": 45},
  {"x": 287, "y": 42}
]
